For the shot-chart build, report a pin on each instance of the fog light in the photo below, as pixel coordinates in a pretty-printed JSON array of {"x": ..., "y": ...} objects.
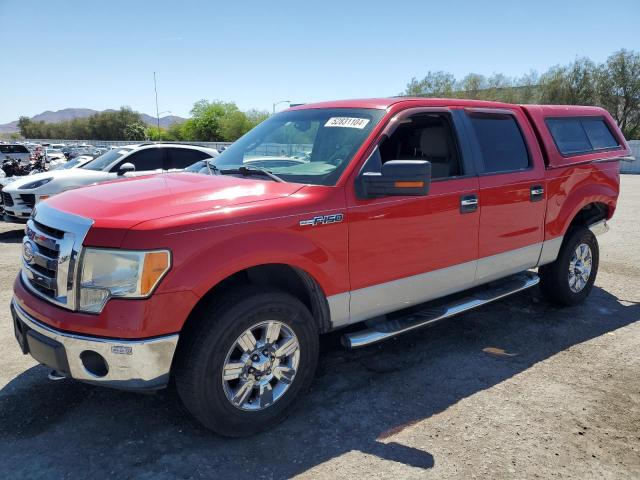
[
  {"x": 93, "y": 299},
  {"x": 94, "y": 363}
]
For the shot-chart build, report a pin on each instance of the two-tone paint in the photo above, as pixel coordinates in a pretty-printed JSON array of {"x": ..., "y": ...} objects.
[{"x": 384, "y": 254}]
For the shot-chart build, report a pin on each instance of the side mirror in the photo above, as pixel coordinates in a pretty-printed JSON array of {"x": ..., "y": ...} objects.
[
  {"x": 126, "y": 168},
  {"x": 397, "y": 177}
]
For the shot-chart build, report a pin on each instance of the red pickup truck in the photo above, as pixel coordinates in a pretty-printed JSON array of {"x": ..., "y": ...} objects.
[{"x": 389, "y": 213}]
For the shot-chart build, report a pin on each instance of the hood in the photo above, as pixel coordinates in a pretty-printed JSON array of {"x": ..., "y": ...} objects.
[
  {"x": 124, "y": 203},
  {"x": 69, "y": 178}
]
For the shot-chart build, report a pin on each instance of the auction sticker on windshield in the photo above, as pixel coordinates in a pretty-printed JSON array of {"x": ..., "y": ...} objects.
[{"x": 347, "y": 122}]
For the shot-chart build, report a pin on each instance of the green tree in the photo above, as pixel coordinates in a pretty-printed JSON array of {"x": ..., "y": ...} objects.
[
  {"x": 108, "y": 125},
  {"x": 177, "y": 131},
  {"x": 434, "y": 84},
  {"x": 134, "y": 131},
  {"x": 206, "y": 120},
  {"x": 528, "y": 90},
  {"x": 573, "y": 84},
  {"x": 619, "y": 90},
  {"x": 26, "y": 127},
  {"x": 217, "y": 121},
  {"x": 472, "y": 85},
  {"x": 256, "y": 116},
  {"x": 161, "y": 135}
]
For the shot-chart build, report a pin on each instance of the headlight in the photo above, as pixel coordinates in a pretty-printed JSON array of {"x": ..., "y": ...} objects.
[
  {"x": 120, "y": 274},
  {"x": 36, "y": 184}
]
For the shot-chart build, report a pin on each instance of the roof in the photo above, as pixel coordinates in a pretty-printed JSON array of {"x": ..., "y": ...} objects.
[{"x": 384, "y": 103}]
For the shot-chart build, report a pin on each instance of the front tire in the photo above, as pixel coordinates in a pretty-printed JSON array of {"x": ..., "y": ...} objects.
[
  {"x": 569, "y": 280},
  {"x": 245, "y": 359}
]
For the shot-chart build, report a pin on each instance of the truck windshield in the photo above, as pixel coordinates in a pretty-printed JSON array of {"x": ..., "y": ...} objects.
[{"x": 303, "y": 146}]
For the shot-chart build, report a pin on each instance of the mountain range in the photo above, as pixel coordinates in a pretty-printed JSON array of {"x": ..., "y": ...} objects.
[{"x": 71, "y": 113}]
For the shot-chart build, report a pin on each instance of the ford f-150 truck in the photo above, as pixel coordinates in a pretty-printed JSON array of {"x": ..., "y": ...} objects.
[{"x": 386, "y": 213}]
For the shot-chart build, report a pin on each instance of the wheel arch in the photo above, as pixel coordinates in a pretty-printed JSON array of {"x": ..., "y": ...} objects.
[
  {"x": 584, "y": 206},
  {"x": 589, "y": 214},
  {"x": 288, "y": 278}
]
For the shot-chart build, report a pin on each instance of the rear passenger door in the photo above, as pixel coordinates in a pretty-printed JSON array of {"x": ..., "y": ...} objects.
[
  {"x": 181, "y": 158},
  {"x": 146, "y": 161},
  {"x": 512, "y": 197}
]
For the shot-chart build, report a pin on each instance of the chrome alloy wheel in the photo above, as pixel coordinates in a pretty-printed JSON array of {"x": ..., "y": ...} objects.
[
  {"x": 580, "y": 267},
  {"x": 261, "y": 365}
]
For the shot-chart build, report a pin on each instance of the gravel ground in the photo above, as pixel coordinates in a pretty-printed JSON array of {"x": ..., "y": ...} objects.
[{"x": 518, "y": 389}]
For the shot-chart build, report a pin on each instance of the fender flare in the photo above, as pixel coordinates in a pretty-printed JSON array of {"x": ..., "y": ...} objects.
[{"x": 577, "y": 200}]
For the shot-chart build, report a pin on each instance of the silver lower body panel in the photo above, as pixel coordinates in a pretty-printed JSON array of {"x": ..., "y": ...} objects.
[{"x": 383, "y": 328}]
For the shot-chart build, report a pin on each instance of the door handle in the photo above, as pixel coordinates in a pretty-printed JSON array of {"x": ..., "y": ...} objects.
[
  {"x": 468, "y": 203},
  {"x": 536, "y": 193}
]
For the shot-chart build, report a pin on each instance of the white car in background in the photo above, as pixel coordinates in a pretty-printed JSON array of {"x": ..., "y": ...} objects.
[
  {"x": 54, "y": 157},
  {"x": 21, "y": 195}
]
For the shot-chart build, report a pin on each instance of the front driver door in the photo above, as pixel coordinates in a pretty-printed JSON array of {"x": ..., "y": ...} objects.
[{"x": 406, "y": 250}]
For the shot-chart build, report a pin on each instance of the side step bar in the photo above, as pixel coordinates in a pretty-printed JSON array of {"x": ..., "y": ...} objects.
[{"x": 382, "y": 328}]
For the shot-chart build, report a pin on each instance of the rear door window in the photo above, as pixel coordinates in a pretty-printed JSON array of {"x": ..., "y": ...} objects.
[
  {"x": 501, "y": 142},
  {"x": 145, "y": 160},
  {"x": 581, "y": 134},
  {"x": 180, "y": 158}
]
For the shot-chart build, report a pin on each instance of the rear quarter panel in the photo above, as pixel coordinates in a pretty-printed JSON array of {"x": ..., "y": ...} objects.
[{"x": 573, "y": 187}]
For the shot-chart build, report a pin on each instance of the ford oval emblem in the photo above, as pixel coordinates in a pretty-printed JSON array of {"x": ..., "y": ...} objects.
[{"x": 28, "y": 252}]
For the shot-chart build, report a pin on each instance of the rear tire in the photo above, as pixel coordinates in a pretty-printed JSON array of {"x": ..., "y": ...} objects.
[
  {"x": 238, "y": 388},
  {"x": 569, "y": 280}
]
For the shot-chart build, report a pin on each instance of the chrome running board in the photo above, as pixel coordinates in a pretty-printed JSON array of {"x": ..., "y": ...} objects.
[{"x": 382, "y": 328}]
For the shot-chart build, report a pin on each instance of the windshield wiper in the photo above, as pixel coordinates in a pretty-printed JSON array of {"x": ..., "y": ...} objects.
[{"x": 248, "y": 171}]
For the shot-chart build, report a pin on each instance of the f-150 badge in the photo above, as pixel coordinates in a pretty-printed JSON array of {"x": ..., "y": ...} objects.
[{"x": 323, "y": 220}]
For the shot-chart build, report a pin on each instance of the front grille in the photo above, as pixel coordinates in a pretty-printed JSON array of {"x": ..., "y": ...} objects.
[
  {"x": 41, "y": 261},
  {"x": 54, "y": 232},
  {"x": 7, "y": 199},
  {"x": 29, "y": 199},
  {"x": 51, "y": 249}
]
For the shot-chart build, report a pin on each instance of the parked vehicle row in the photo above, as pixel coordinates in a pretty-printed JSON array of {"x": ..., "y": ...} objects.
[
  {"x": 23, "y": 194},
  {"x": 403, "y": 212}
]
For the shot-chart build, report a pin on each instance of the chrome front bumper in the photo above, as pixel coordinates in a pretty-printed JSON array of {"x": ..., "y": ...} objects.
[{"x": 131, "y": 364}]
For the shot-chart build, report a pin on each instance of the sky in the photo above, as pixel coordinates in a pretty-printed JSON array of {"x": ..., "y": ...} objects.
[{"x": 102, "y": 54}]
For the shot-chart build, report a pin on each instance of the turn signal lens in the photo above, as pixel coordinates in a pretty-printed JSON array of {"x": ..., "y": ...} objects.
[
  {"x": 409, "y": 184},
  {"x": 155, "y": 266}
]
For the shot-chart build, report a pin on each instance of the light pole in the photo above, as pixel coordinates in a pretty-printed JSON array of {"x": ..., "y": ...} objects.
[
  {"x": 278, "y": 103},
  {"x": 155, "y": 87}
]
